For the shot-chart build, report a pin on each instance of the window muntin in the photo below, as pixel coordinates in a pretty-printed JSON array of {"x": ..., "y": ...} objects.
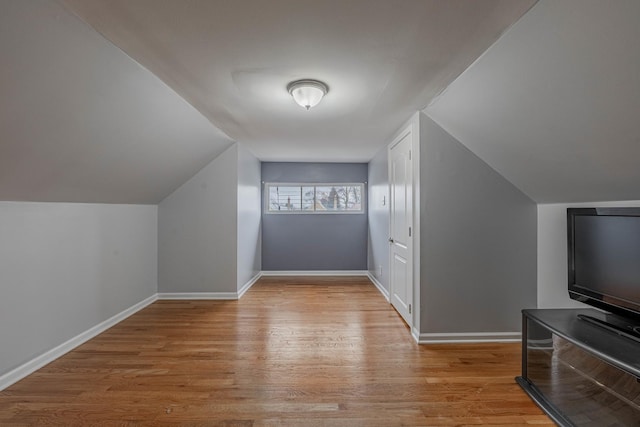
[{"x": 314, "y": 198}]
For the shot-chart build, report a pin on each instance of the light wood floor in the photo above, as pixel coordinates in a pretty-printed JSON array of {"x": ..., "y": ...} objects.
[{"x": 300, "y": 352}]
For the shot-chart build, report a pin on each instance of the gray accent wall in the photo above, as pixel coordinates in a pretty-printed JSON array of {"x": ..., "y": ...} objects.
[
  {"x": 378, "y": 257},
  {"x": 478, "y": 241},
  {"x": 314, "y": 241},
  {"x": 67, "y": 267}
]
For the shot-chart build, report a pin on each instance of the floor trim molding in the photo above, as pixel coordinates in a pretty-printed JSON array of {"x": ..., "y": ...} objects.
[
  {"x": 249, "y": 284},
  {"x": 378, "y": 285},
  {"x": 211, "y": 295},
  {"x": 416, "y": 335},
  {"x": 469, "y": 337},
  {"x": 315, "y": 273},
  {"x": 49, "y": 356},
  {"x": 197, "y": 295}
]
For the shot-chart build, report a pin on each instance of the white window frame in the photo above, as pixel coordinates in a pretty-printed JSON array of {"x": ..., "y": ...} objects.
[{"x": 363, "y": 194}]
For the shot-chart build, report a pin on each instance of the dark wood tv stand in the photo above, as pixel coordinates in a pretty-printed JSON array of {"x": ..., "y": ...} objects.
[{"x": 580, "y": 374}]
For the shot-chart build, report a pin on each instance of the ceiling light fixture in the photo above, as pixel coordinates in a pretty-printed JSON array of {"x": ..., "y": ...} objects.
[{"x": 307, "y": 93}]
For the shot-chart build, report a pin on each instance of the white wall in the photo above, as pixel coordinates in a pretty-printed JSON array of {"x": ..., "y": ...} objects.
[
  {"x": 67, "y": 267},
  {"x": 552, "y": 252},
  {"x": 249, "y": 216},
  {"x": 378, "y": 182},
  {"x": 197, "y": 223}
]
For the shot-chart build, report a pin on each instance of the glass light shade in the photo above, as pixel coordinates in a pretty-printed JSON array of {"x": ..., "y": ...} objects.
[{"x": 307, "y": 93}]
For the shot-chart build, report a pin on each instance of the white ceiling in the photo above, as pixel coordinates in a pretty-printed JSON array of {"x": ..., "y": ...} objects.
[
  {"x": 82, "y": 122},
  {"x": 554, "y": 105},
  {"x": 232, "y": 60}
]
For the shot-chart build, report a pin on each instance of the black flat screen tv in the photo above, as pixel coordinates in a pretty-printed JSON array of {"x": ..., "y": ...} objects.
[{"x": 604, "y": 261}]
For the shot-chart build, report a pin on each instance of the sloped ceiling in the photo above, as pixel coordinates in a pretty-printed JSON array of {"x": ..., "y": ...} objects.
[
  {"x": 554, "y": 105},
  {"x": 127, "y": 113},
  {"x": 232, "y": 60},
  {"x": 80, "y": 121}
]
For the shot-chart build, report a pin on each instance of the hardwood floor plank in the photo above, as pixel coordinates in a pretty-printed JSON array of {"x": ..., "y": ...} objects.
[{"x": 326, "y": 351}]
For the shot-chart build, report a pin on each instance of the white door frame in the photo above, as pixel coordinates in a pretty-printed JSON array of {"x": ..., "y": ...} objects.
[{"x": 413, "y": 127}]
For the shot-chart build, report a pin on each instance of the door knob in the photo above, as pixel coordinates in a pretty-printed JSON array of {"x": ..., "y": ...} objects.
[{"x": 390, "y": 240}]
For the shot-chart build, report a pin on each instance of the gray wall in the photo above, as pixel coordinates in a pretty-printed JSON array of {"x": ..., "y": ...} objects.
[
  {"x": 314, "y": 241},
  {"x": 379, "y": 218},
  {"x": 68, "y": 267},
  {"x": 197, "y": 223},
  {"x": 478, "y": 241},
  {"x": 249, "y": 216}
]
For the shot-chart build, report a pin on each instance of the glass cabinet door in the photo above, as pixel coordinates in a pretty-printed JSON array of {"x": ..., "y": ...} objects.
[{"x": 586, "y": 390}]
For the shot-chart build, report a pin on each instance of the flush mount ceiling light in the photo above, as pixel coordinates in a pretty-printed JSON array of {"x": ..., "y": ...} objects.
[{"x": 307, "y": 93}]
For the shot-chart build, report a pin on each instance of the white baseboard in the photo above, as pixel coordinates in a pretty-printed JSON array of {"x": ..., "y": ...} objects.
[
  {"x": 415, "y": 333},
  {"x": 378, "y": 285},
  {"x": 38, "y": 362},
  {"x": 198, "y": 295},
  {"x": 249, "y": 284},
  {"x": 316, "y": 273},
  {"x": 469, "y": 337},
  {"x": 210, "y": 295},
  {"x": 253, "y": 280}
]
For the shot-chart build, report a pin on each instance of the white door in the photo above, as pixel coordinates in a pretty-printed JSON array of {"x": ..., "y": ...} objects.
[{"x": 400, "y": 227}]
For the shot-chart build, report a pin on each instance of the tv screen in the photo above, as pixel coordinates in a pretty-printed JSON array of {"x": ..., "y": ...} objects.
[{"x": 604, "y": 258}]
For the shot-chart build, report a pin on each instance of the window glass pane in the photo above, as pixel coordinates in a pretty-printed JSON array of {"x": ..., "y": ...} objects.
[
  {"x": 339, "y": 197},
  {"x": 308, "y": 195},
  {"x": 287, "y": 198},
  {"x": 326, "y": 199},
  {"x": 353, "y": 197}
]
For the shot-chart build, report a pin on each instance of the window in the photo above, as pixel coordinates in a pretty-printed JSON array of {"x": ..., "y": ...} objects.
[{"x": 314, "y": 198}]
